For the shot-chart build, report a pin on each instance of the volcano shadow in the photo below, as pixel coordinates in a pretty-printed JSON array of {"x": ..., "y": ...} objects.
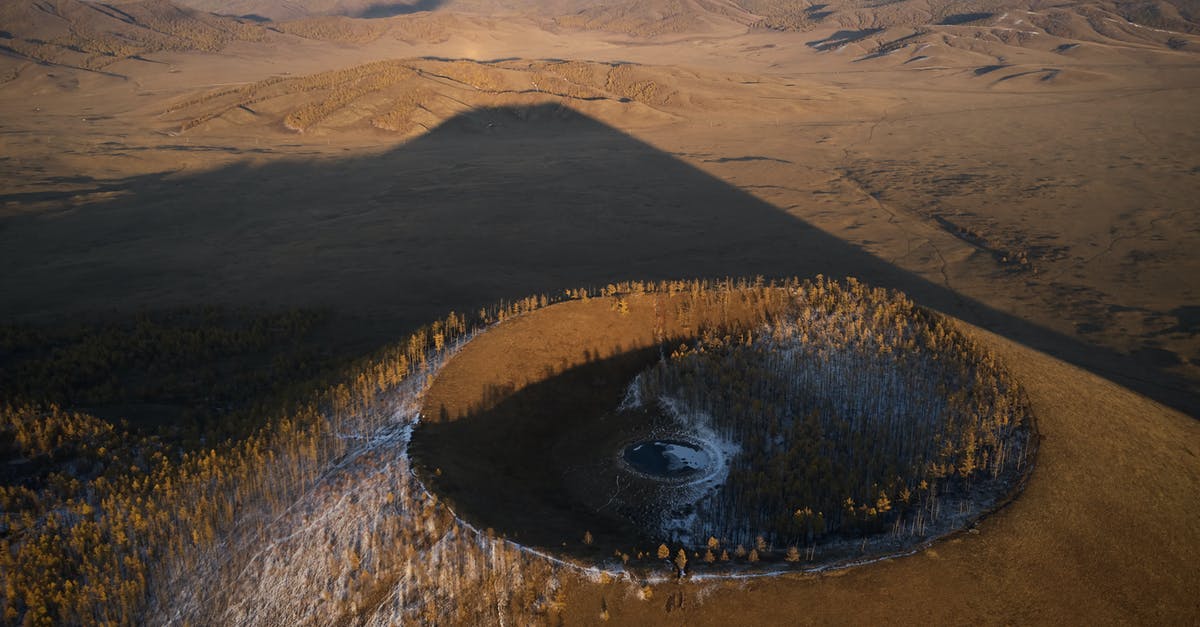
[
  {"x": 493, "y": 204},
  {"x": 525, "y": 462}
]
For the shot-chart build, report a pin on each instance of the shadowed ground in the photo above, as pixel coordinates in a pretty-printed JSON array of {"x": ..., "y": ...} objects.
[{"x": 493, "y": 204}]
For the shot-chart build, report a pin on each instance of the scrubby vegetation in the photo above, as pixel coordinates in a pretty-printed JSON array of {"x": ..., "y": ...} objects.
[
  {"x": 785, "y": 15},
  {"x": 663, "y": 18},
  {"x": 334, "y": 28},
  {"x": 402, "y": 95},
  {"x": 94, "y": 36}
]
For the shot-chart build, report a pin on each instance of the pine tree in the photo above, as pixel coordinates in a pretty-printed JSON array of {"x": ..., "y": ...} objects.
[{"x": 681, "y": 560}]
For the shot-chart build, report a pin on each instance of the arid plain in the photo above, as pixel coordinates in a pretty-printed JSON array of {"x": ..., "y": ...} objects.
[{"x": 1031, "y": 169}]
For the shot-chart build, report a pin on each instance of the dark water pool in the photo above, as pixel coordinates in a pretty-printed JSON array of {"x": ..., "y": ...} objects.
[{"x": 666, "y": 458}]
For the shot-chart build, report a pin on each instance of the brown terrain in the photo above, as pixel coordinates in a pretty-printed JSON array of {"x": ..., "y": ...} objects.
[{"x": 1031, "y": 169}]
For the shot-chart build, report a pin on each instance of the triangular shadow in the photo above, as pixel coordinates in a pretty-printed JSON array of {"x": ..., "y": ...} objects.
[{"x": 495, "y": 203}]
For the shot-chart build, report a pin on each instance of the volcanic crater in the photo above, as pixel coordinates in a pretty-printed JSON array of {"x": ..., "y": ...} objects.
[{"x": 800, "y": 425}]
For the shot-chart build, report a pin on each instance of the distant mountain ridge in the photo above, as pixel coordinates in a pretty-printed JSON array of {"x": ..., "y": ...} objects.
[
  {"x": 94, "y": 35},
  {"x": 284, "y": 10},
  {"x": 651, "y": 17}
]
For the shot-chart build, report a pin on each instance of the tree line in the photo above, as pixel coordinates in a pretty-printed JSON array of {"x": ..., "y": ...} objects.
[{"x": 104, "y": 524}]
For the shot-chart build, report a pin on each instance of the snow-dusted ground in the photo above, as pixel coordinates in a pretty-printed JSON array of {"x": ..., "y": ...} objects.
[
  {"x": 678, "y": 509},
  {"x": 367, "y": 540},
  {"x": 681, "y": 457}
]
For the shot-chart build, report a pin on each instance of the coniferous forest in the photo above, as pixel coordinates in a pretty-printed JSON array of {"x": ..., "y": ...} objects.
[
  {"x": 860, "y": 407},
  {"x": 854, "y": 412}
]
